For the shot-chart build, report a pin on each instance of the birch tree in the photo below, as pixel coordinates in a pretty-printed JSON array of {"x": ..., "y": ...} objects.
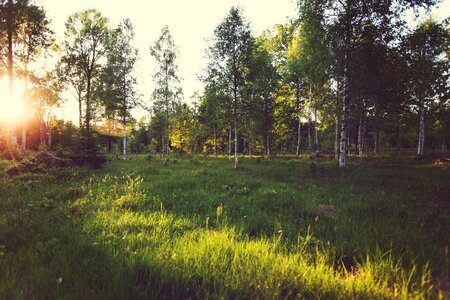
[
  {"x": 230, "y": 54},
  {"x": 346, "y": 19},
  {"x": 84, "y": 48},
  {"x": 428, "y": 69},
  {"x": 167, "y": 92},
  {"x": 117, "y": 76},
  {"x": 33, "y": 37}
]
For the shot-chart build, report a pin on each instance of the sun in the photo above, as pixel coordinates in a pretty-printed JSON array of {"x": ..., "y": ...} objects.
[{"x": 11, "y": 110}]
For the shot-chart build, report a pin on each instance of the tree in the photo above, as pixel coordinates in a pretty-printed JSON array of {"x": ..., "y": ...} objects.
[
  {"x": 11, "y": 16},
  {"x": 119, "y": 83},
  {"x": 84, "y": 46},
  {"x": 167, "y": 92},
  {"x": 180, "y": 129},
  {"x": 346, "y": 19},
  {"x": 33, "y": 36},
  {"x": 45, "y": 94},
  {"x": 72, "y": 76},
  {"x": 428, "y": 69},
  {"x": 230, "y": 55},
  {"x": 260, "y": 101},
  {"x": 214, "y": 106}
]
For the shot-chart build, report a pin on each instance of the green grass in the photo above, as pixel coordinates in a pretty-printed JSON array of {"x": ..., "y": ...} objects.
[{"x": 196, "y": 228}]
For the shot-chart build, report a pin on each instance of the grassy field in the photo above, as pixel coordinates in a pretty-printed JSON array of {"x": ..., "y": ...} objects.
[{"x": 195, "y": 228}]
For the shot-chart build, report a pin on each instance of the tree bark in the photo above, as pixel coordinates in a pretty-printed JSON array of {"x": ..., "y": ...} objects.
[
  {"x": 88, "y": 103},
  {"x": 24, "y": 122},
  {"x": 215, "y": 143},
  {"x": 336, "y": 137},
  {"x": 346, "y": 96},
  {"x": 361, "y": 134},
  {"x": 124, "y": 151},
  {"x": 80, "y": 109},
  {"x": 309, "y": 120},
  {"x": 229, "y": 142},
  {"x": 236, "y": 159},
  {"x": 376, "y": 141},
  {"x": 421, "y": 141},
  {"x": 10, "y": 29},
  {"x": 316, "y": 133},
  {"x": 299, "y": 125}
]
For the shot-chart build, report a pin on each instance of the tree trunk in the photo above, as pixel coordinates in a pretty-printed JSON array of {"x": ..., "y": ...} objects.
[
  {"x": 336, "y": 138},
  {"x": 316, "y": 133},
  {"x": 299, "y": 120},
  {"x": 124, "y": 152},
  {"x": 25, "y": 104},
  {"x": 88, "y": 104},
  {"x": 309, "y": 120},
  {"x": 346, "y": 94},
  {"x": 49, "y": 137},
  {"x": 421, "y": 142},
  {"x": 9, "y": 28},
  {"x": 268, "y": 145},
  {"x": 80, "y": 110},
  {"x": 215, "y": 143},
  {"x": 236, "y": 160},
  {"x": 229, "y": 142},
  {"x": 376, "y": 141},
  {"x": 361, "y": 135}
]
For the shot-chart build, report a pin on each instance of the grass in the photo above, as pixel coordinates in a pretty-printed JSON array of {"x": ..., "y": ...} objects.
[{"x": 195, "y": 228}]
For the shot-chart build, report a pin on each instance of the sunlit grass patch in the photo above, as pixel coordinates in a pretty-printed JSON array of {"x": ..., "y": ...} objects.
[{"x": 172, "y": 231}]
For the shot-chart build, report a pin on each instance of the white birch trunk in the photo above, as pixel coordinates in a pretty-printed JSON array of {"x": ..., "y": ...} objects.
[
  {"x": 215, "y": 143},
  {"x": 360, "y": 135},
  {"x": 421, "y": 142},
  {"x": 316, "y": 133},
  {"x": 309, "y": 120},
  {"x": 229, "y": 143},
  {"x": 124, "y": 152},
  {"x": 236, "y": 159},
  {"x": 336, "y": 138}
]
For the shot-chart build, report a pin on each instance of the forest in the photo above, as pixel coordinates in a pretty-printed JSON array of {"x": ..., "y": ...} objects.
[{"x": 313, "y": 163}]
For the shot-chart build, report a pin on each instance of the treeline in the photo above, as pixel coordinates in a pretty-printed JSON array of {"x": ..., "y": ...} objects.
[{"x": 344, "y": 76}]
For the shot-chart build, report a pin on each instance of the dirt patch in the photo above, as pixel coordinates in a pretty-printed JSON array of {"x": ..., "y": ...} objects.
[{"x": 328, "y": 210}]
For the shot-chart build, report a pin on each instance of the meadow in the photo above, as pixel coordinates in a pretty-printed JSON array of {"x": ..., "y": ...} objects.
[{"x": 192, "y": 227}]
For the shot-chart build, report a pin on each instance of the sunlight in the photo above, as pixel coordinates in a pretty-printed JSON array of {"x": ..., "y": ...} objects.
[{"x": 11, "y": 110}]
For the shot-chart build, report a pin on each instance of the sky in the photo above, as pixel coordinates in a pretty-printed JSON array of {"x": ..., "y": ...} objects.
[{"x": 191, "y": 22}]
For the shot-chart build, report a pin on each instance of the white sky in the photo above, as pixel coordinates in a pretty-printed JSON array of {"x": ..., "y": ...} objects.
[{"x": 191, "y": 22}]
